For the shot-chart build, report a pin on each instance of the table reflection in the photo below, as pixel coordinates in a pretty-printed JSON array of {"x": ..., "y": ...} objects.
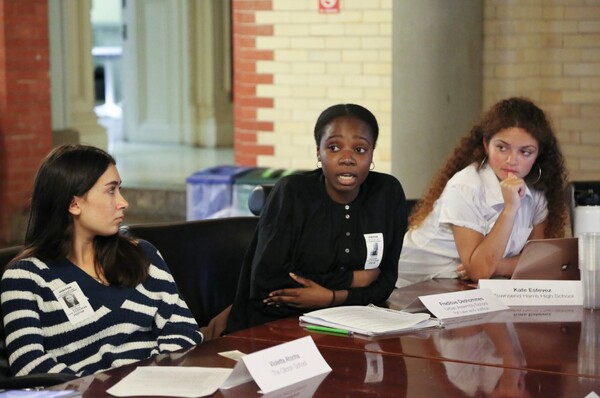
[
  {"x": 496, "y": 345},
  {"x": 588, "y": 361}
]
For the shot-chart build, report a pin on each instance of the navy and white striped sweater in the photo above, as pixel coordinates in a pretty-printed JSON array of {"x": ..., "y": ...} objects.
[{"x": 128, "y": 324}]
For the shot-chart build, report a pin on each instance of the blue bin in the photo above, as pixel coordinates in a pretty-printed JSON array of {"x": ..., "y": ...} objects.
[{"x": 209, "y": 191}]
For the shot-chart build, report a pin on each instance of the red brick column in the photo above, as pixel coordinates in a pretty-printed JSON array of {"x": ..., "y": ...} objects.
[
  {"x": 25, "y": 124},
  {"x": 246, "y": 78}
]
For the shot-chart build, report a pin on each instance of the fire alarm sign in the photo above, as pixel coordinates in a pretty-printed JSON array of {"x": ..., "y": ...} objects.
[{"x": 329, "y": 6}]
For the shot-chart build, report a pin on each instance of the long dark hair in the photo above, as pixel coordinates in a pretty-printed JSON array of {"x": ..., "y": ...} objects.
[
  {"x": 549, "y": 165},
  {"x": 353, "y": 110},
  {"x": 68, "y": 171}
]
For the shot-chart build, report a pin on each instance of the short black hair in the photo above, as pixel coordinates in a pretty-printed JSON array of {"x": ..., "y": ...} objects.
[{"x": 352, "y": 110}]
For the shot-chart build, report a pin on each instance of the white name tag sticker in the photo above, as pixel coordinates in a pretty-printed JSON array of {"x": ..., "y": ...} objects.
[
  {"x": 279, "y": 366},
  {"x": 535, "y": 292},
  {"x": 374, "y": 244},
  {"x": 462, "y": 303},
  {"x": 73, "y": 302}
]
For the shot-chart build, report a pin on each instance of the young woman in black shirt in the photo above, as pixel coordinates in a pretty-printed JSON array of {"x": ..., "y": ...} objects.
[{"x": 328, "y": 237}]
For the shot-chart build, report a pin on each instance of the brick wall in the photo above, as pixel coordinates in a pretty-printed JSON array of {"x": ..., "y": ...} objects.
[
  {"x": 25, "y": 128},
  {"x": 292, "y": 62},
  {"x": 246, "y": 55},
  {"x": 549, "y": 50}
]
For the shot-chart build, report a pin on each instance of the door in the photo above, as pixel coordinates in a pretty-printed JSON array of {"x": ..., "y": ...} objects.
[{"x": 155, "y": 73}]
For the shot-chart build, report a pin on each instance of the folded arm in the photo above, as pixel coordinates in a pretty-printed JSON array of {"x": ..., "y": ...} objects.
[
  {"x": 313, "y": 295},
  {"x": 482, "y": 256}
]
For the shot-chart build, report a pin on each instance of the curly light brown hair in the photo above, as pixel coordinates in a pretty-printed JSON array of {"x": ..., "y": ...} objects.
[{"x": 508, "y": 113}]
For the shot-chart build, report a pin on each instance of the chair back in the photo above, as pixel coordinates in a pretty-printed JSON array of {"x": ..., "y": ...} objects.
[
  {"x": 204, "y": 256},
  {"x": 7, "y": 254},
  {"x": 258, "y": 197},
  {"x": 410, "y": 205}
]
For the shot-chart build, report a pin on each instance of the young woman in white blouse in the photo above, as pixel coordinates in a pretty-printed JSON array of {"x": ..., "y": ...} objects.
[{"x": 502, "y": 185}]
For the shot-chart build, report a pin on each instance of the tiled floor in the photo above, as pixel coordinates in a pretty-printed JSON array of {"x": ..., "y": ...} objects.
[
  {"x": 161, "y": 166},
  {"x": 154, "y": 174},
  {"x": 158, "y": 165}
]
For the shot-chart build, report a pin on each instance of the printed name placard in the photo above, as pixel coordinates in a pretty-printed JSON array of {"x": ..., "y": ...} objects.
[
  {"x": 279, "y": 366},
  {"x": 463, "y": 303},
  {"x": 535, "y": 292}
]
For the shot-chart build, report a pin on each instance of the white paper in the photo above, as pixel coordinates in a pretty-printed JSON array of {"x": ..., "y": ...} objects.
[
  {"x": 235, "y": 355},
  {"x": 281, "y": 366},
  {"x": 170, "y": 381},
  {"x": 462, "y": 303},
  {"x": 240, "y": 375},
  {"x": 535, "y": 292},
  {"x": 367, "y": 320}
]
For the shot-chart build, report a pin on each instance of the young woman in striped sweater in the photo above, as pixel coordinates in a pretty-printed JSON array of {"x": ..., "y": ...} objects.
[{"x": 81, "y": 298}]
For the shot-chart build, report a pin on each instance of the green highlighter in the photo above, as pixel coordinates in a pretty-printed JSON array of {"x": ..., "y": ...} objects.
[{"x": 325, "y": 329}]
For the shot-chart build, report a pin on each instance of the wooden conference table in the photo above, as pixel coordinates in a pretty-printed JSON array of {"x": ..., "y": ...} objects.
[{"x": 522, "y": 352}]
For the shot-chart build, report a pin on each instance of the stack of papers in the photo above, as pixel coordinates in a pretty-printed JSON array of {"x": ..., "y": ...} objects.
[
  {"x": 369, "y": 320},
  {"x": 170, "y": 381}
]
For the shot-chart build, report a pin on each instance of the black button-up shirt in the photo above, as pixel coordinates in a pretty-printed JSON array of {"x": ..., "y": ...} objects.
[{"x": 302, "y": 230}]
